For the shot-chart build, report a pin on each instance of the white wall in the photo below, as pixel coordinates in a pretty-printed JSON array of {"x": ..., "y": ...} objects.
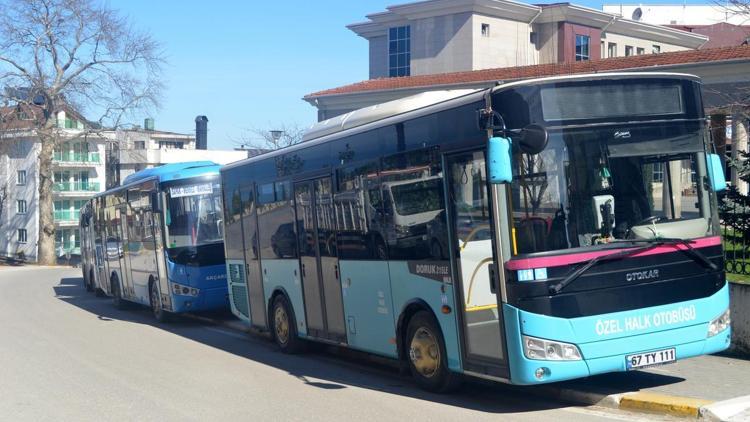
[
  {"x": 441, "y": 44},
  {"x": 678, "y": 14},
  {"x": 19, "y": 154},
  {"x": 508, "y": 43}
]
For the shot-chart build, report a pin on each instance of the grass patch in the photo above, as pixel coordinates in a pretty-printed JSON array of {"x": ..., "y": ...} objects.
[{"x": 738, "y": 278}]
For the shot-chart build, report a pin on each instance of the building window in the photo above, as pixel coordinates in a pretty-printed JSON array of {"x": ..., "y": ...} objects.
[
  {"x": 485, "y": 30},
  {"x": 170, "y": 145},
  {"x": 21, "y": 206},
  {"x": 140, "y": 144},
  {"x": 399, "y": 51},
  {"x": 628, "y": 50},
  {"x": 611, "y": 50},
  {"x": 655, "y": 49},
  {"x": 582, "y": 47},
  {"x": 640, "y": 51},
  {"x": 21, "y": 177},
  {"x": 658, "y": 172},
  {"x": 22, "y": 235}
]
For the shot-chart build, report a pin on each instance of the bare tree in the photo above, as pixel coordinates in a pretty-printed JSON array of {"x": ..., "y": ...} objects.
[
  {"x": 271, "y": 139},
  {"x": 76, "y": 55}
]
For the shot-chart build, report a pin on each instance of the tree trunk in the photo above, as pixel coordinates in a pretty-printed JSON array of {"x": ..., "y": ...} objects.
[{"x": 46, "y": 246}]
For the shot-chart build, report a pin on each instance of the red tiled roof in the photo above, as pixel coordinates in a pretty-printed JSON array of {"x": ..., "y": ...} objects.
[
  {"x": 542, "y": 70},
  {"x": 720, "y": 34}
]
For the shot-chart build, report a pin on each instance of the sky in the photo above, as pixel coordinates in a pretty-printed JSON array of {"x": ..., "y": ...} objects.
[{"x": 247, "y": 64}]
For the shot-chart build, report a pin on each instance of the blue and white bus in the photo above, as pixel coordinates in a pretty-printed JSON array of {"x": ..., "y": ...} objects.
[
  {"x": 157, "y": 240},
  {"x": 537, "y": 231}
]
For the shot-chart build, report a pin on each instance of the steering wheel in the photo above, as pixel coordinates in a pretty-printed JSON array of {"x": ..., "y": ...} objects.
[{"x": 648, "y": 220}]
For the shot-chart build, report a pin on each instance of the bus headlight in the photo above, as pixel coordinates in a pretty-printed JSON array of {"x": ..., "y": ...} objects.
[
  {"x": 538, "y": 349},
  {"x": 183, "y": 290},
  {"x": 719, "y": 324}
]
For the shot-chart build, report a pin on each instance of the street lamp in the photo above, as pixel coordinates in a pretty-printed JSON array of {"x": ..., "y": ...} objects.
[{"x": 276, "y": 134}]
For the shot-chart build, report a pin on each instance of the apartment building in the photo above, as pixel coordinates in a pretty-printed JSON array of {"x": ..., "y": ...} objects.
[{"x": 78, "y": 173}]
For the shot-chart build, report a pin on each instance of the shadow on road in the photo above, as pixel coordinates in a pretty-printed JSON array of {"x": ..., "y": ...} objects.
[{"x": 333, "y": 368}]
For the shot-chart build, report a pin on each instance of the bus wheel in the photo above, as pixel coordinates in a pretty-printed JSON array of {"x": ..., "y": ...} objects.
[
  {"x": 97, "y": 291},
  {"x": 117, "y": 299},
  {"x": 88, "y": 282},
  {"x": 159, "y": 313},
  {"x": 284, "y": 328},
  {"x": 426, "y": 355}
]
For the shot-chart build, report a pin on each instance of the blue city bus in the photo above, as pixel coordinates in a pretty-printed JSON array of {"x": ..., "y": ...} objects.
[
  {"x": 533, "y": 232},
  {"x": 156, "y": 240}
]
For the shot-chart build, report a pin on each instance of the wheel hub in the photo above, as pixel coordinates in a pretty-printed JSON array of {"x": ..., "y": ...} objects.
[
  {"x": 424, "y": 352},
  {"x": 281, "y": 323}
]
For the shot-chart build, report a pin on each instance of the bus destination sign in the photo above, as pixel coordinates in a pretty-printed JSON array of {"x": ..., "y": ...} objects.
[{"x": 190, "y": 190}]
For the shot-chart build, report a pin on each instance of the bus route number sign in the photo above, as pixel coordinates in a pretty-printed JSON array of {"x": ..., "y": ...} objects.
[
  {"x": 644, "y": 360},
  {"x": 190, "y": 190}
]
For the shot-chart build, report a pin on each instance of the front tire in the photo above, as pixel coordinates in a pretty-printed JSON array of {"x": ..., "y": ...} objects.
[
  {"x": 159, "y": 313},
  {"x": 284, "y": 327},
  {"x": 117, "y": 299},
  {"x": 88, "y": 282},
  {"x": 425, "y": 353}
]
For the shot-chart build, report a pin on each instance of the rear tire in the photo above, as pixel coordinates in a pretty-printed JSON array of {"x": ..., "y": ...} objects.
[
  {"x": 159, "y": 313},
  {"x": 117, "y": 299},
  {"x": 426, "y": 356},
  {"x": 284, "y": 327}
]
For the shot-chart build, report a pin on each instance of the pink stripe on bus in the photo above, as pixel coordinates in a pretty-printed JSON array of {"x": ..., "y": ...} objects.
[{"x": 574, "y": 258}]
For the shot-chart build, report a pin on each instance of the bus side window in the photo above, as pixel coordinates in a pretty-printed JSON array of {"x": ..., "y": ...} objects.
[
  {"x": 414, "y": 205},
  {"x": 276, "y": 221},
  {"x": 359, "y": 216}
]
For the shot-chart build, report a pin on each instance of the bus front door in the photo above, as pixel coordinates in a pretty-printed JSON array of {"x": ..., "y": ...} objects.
[
  {"x": 324, "y": 307},
  {"x": 482, "y": 331}
]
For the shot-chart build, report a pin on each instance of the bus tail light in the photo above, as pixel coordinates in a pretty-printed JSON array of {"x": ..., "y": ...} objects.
[
  {"x": 719, "y": 324},
  {"x": 183, "y": 290},
  {"x": 538, "y": 349}
]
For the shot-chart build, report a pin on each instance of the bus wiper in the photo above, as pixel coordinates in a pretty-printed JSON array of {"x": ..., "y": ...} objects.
[
  {"x": 557, "y": 288},
  {"x": 694, "y": 253}
]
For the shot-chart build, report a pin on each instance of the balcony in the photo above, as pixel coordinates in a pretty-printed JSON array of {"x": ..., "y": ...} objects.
[
  {"x": 76, "y": 159},
  {"x": 76, "y": 187},
  {"x": 67, "y": 216}
]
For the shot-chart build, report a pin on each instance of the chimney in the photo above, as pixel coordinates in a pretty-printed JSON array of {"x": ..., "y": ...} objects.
[{"x": 201, "y": 132}]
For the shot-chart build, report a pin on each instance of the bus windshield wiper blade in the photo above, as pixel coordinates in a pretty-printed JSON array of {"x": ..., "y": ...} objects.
[
  {"x": 694, "y": 253},
  {"x": 557, "y": 288}
]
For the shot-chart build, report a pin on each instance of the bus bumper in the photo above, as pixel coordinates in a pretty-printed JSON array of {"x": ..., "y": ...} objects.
[
  {"x": 207, "y": 300},
  {"x": 604, "y": 341}
]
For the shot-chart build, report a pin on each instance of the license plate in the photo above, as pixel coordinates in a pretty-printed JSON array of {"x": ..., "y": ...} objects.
[{"x": 657, "y": 357}]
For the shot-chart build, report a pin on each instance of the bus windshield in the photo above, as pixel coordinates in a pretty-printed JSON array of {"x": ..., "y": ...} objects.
[
  {"x": 594, "y": 185},
  {"x": 193, "y": 214}
]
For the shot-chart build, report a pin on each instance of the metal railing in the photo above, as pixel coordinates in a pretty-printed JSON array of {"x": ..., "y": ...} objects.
[
  {"x": 76, "y": 157},
  {"x": 66, "y": 215},
  {"x": 734, "y": 215},
  {"x": 76, "y": 187}
]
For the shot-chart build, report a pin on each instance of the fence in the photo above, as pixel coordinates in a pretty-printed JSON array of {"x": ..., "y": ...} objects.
[{"x": 734, "y": 215}]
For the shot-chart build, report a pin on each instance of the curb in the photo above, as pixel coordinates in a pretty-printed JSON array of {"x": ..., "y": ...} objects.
[{"x": 644, "y": 402}]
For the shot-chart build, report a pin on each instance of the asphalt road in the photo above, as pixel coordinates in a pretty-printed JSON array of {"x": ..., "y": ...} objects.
[{"x": 67, "y": 355}]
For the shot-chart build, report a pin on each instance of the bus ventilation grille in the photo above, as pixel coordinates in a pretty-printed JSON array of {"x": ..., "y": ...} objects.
[{"x": 239, "y": 298}]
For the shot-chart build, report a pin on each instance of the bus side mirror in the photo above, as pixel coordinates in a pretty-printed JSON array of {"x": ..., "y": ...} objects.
[
  {"x": 499, "y": 157},
  {"x": 716, "y": 173},
  {"x": 154, "y": 199},
  {"x": 534, "y": 139}
]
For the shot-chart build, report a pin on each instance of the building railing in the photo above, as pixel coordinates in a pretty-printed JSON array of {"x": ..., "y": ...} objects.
[
  {"x": 77, "y": 157},
  {"x": 66, "y": 215},
  {"x": 76, "y": 187}
]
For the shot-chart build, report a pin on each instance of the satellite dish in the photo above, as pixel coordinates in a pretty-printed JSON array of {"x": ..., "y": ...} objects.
[{"x": 637, "y": 14}]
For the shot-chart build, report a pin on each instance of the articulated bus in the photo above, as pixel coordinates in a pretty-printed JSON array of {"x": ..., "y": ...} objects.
[
  {"x": 157, "y": 240},
  {"x": 533, "y": 232}
]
